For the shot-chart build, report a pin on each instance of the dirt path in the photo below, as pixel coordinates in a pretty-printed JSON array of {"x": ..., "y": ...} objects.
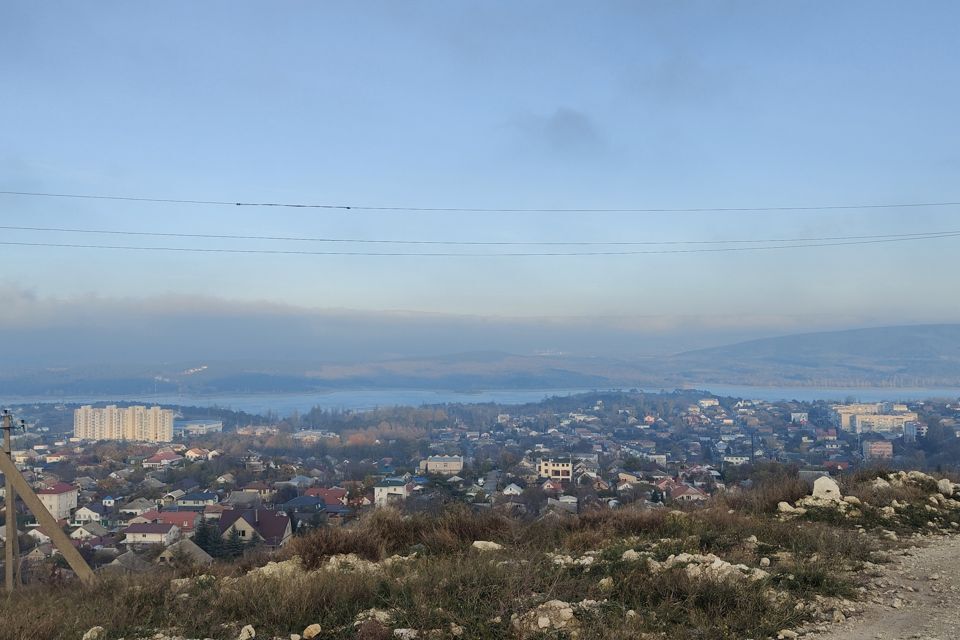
[{"x": 918, "y": 597}]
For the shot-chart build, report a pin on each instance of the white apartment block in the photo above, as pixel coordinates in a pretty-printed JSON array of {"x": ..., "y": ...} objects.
[
  {"x": 881, "y": 423},
  {"x": 130, "y": 423}
]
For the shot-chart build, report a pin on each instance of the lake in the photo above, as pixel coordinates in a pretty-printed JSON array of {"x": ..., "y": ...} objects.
[{"x": 285, "y": 404}]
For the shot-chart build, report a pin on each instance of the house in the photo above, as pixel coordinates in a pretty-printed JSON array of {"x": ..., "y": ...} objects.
[
  {"x": 162, "y": 459},
  {"x": 109, "y": 502},
  {"x": 227, "y": 478},
  {"x": 512, "y": 490},
  {"x": 88, "y": 531},
  {"x": 686, "y": 493},
  {"x": 89, "y": 513},
  {"x": 262, "y": 489},
  {"x": 273, "y": 527},
  {"x": 151, "y": 533},
  {"x": 185, "y": 521},
  {"x": 138, "y": 506},
  {"x": 552, "y": 486},
  {"x": 184, "y": 549},
  {"x": 559, "y": 469},
  {"x": 391, "y": 490},
  {"x": 127, "y": 563},
  {"x": 199, "y": 499},
  {"x": 304, "y": 504},
  {"x": 442, "y": 465},
  {"x": 196, "y": 454},
  {"x": 59, "y": 499},
  {"x": 334, "y": 495}
]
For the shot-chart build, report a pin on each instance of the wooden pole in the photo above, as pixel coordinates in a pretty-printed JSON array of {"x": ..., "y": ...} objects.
[
  {"x": 46, "y": 520},
  {"x": 12, "y": 545}
]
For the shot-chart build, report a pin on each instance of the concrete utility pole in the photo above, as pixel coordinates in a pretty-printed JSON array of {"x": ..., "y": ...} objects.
[
  {"x": 12, "y": 545},
  {"x": 16, "y": 485}
]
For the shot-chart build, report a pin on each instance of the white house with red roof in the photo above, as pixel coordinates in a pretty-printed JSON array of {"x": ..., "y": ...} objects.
[
  {"x": 151, "y": 533},
  {"x": 59, "y": 499}
]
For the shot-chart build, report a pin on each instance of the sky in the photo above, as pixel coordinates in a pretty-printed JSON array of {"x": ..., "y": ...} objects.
[{"x": 475, "y": 105}]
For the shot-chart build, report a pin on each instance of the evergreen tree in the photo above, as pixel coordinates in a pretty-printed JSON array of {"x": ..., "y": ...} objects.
[{"x": 233, "y": 545}]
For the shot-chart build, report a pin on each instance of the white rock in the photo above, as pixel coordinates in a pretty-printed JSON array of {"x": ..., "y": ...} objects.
[
  {"x": 485, "y": 545},
  {"x": 630, "y": 556},
  {"x": 95, "y": 633},
  {"x": 826, "y": 488},
  {"x": 247, "y": 633},
  {"x": 312, "y": 631},
  {"x": 945, "y": 487}
]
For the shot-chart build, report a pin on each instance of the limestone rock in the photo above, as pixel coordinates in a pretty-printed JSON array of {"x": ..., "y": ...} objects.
[
  {"x": 247, "y": 633},
  {"x": 95, "y": 633},
  {"x": 312, "y": 631},
  {"x": 485, "y": 545},
  {"x": 826, "y": 489}
]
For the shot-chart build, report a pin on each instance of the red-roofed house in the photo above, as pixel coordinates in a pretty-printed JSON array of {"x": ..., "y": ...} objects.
[
  {"x": 162, "y": 459},
  {"x": 59, "y": 499},
  {"x": 332, "y": 496},
  {"x": 185, "y": 521}
]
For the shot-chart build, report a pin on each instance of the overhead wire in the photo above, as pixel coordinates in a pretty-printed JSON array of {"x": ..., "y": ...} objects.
[
  {"x": 225, "y": 236},
  {"x": 360, "y": 207},
  {"x": 215, "y": 250}
]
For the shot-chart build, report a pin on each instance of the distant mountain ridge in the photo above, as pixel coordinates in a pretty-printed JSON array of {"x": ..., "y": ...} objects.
[{"x": 900, "y": 356}]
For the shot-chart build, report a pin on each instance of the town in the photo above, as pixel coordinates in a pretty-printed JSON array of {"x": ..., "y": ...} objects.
[{"x": 136, "y": 487}]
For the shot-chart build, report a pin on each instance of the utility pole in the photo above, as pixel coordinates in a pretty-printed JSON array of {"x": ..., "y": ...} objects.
[
  {"x": 16, "y": 485},
  {"x": 12, "y": 545}
]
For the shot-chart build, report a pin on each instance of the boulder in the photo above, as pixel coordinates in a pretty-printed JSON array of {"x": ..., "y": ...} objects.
[
  {"x": 485, "y": 545},
  {"x": 95, "y": 633},
  {"x": 826, "y": 489},
  {"x": 945, "y": 487},
  {"x": 312, "y": 631},
  {"x": 247, "y": 633}
]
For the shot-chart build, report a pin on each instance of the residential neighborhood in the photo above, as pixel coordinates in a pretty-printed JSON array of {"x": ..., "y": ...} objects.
[{"x": 230, "y": 486}]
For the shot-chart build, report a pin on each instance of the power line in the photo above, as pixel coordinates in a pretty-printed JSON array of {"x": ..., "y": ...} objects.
[
  {"x": 222, "y": 236},
  {"x": 356, "y": 207},
  {"x": 478, "y": 255}
]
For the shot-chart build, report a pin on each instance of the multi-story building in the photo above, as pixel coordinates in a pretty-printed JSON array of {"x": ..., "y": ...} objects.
[
  {"x": 880, "y": 423},
  {"x": 842, "y": 413},
  {"x": 60, "y": 499},
  {"x": 556, "y": 469},
  {"x": 129, "y": 423},
  {"x": 878, "y": 450},
  {"x": 443, "y": 465}
]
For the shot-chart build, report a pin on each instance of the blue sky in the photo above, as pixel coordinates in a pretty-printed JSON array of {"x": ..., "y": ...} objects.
[{"x": 487, "y": 104}]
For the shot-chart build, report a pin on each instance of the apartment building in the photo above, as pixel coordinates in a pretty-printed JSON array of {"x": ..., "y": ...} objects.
[
  {"x": 138, "y": 423},
  {"x": 881, "y": 423}
]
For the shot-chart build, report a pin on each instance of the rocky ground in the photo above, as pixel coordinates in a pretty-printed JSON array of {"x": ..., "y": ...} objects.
[{"x": 916, "y": 596}]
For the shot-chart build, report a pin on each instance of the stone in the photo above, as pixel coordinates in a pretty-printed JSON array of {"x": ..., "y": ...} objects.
[
  {"x": 406, "y": 634},
  {"x": 485, "y": 545},
  {"x": 785, "y": 634},
  {"x": 606, "y": 583},
  {"x": 95, "y": 633},
  {"x": 826, "y": 489},
  {"x": 945, "y": 487},
  {"x": 630, "y": 555},
  {"x": 764, "y": 562},
  {"x": 880, "y": 483},
  {"x": 312, "y": 631},
  {"x": 247, "y": 633}
]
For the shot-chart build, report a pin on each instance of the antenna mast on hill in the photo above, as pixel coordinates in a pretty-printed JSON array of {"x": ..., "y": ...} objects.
[{"x": 16, "y": 485}]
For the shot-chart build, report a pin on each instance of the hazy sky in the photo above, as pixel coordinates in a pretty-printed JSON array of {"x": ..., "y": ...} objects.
[{"x": 484, "y": 104}]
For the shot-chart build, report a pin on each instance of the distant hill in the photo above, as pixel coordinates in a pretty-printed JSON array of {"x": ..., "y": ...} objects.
[
  {"x": 905, "y": 356},
  {"x": 921, "y": 355}
]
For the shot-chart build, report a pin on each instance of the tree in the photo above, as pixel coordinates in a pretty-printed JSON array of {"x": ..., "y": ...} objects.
[{"x": 233, "y": 545}]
